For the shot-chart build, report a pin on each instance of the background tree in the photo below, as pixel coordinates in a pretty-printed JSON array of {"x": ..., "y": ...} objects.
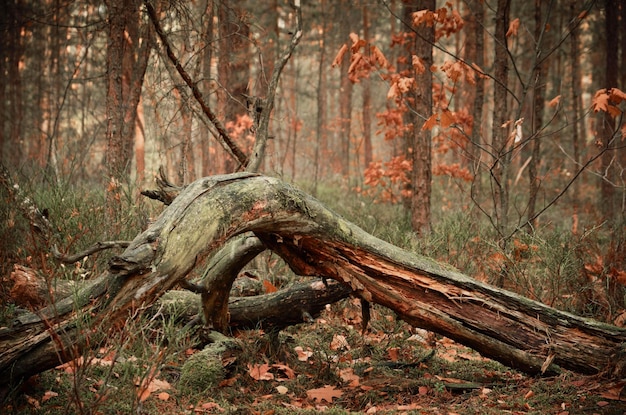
[
  {"x": 128, "y": 50},
  {"x": 419, "y": 143}
]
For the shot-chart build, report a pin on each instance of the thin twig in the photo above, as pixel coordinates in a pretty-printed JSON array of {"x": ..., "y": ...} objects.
[{"x": 97, "y": 247}]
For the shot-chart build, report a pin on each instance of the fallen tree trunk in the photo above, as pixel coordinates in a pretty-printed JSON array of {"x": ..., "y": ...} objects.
[
  {"x": 295, "y": 304},
  {"x": 314, "y": 241}
]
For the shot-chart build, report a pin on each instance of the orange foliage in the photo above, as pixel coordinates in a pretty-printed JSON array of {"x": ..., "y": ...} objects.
[
  {"x": 364, "y": 58},
  {"x": 387, "y": 181},
  {"x": 241, "y": 130},
  {"x": 608, "y": 101},
  {"x": 392, "y": 123},
  {"x": 453, "y": 170},
  {"x": 447, "y": 20}
]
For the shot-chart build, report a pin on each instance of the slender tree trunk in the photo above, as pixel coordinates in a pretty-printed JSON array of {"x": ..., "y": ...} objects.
[
  {"x": 537, "y": 119},
  {"x": 321, "y": 137},
  {"x": 607, "y": 202},
  {"x": 345, "y": 94},
  {"x": 575, "y": 87},
  {"x": 421, "y": 178},
  {"x": 476, "y": 39},
  {"x": 116, "y": 160},
  {"x": 368, "y": 151},
  {"x": 500, "y": 145},
  {"x": 128, "y": 50},
  {"x": 207, "y": 53},
  {"x": 16, "y": 93}
]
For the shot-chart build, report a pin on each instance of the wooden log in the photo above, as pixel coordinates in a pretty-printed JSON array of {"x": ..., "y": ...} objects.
[{"x": 315, "y": 241}]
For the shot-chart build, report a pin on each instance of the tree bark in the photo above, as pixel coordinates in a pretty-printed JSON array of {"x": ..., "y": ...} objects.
[
  {"x": 420, "y": 140},
  {"x": 314, "y": 241},
  {"x": 500, "y": 167}
]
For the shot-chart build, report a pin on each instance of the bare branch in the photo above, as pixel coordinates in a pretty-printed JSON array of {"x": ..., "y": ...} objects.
[{"x": 223, "y": 136}]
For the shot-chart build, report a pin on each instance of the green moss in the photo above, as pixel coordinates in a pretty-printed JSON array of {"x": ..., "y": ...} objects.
[{"x": 201, "y": 372}]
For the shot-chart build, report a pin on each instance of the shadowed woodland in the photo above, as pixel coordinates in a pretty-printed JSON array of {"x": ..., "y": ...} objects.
[{"x": 382, "y": 206}]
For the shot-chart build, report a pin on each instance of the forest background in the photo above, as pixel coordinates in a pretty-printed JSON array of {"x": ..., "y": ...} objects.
[
  {"x": 498, "y": 123},
  {"x": 509, "y": 110}
]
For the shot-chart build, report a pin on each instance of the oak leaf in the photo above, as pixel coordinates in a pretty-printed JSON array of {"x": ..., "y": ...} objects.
[
  {"x": 327, "y": 393},
  {"x": 260, "y": 372},
  {"x": 430, "y": 122}
]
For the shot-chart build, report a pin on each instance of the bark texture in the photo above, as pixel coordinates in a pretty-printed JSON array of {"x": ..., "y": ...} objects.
[{"x": 314, "y": 241}]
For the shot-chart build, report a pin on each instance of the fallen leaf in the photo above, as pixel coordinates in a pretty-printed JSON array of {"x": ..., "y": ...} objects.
[
  {"x": 48, "y": 395},
  {"x": 303, "y": 355},
  {"x": 348, "y": 375},
  {"x": 153, "y": 385},
  {"x": 164, "y": 396},
  {"x": 327, "y": 393},
  {"x": 208, "y": 407},
  {"x": 286, "y": 370},
  {"x": 260, "y": 372},
  {"x": 339, "y": 342}
]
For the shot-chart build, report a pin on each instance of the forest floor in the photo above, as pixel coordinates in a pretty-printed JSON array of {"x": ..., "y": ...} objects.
[{"x": 328, "y": 366}]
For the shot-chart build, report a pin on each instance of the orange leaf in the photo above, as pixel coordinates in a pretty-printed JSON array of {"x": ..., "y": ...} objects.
[
  {"x": 48, "y": 395},
  {"x": 354, "y": 38},
  {"x": 430, "y": 122},
  {"x": 379, "y": 57},
  {"x": 286, "y": 370},
  {"x": 554, "y": 101},
  {"x": 418, "y": 66},
  {"x": 164, "y": 396},
  {"x": 446, "y": 118},
  {"x": 348, "y": 375},
  {"x": 260, "y": 372},
  {"x": 327, "y": 393},
  {"x": 303, "y": 355},
  {"x": 356, "y": 58},
  {"x": 269, "y": 287},
  {"x": 339, "y": 57},
  {"x": 617, "y": 95},
  {"x": 513, "y": 27},
  {"x": 600, "y": 101},
  {"x": 423, "y": 16}
]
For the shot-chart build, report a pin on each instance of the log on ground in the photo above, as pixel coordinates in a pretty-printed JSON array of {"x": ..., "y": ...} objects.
[{"x": 315, "y": 241}]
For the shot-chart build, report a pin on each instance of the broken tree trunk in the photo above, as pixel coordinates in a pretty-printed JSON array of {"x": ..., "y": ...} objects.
[{"x": 314, "y": 241}]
